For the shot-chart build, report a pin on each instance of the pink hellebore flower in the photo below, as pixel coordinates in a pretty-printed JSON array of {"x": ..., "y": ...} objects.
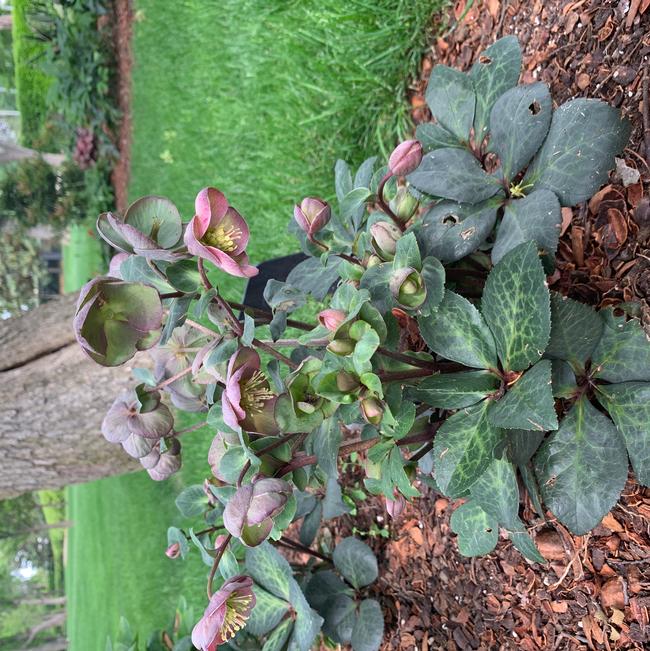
[
  {"x": 331, "y": 319},
  {"x": 219, "y": 234},
  {"x": 405, "y": 158},
  {"x": 226, "y": 614},
  {"x": 396, "y": 506},
  {"x": 248, "y": 401},
  {"x": 312, "y": 215}
]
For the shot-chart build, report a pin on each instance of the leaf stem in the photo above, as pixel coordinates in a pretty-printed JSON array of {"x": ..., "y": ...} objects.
[
  {"x": 297, "y": 546},
  {"x": 215, "y": 564},
  {"x": 384, "y": 206}
]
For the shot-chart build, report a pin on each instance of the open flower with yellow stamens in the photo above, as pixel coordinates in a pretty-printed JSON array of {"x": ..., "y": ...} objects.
[
  {"x": 226, "y": 614},
  {"x": 219, "y": 234},
  {"x": 248, "y": 401}
]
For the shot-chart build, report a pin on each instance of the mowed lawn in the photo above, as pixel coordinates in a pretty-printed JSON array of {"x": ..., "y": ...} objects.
[{"x": 259, "y": 99}]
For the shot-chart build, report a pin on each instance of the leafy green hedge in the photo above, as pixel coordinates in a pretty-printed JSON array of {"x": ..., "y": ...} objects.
[{"x": 31, "y": 83}]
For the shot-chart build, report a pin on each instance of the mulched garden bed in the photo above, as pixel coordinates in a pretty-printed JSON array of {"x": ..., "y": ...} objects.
[{"x": 595, "y": 591}]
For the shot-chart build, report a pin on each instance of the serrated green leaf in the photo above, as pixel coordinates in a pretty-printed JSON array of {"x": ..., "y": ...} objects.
[
  {"x": 407, "y": 253},
  {"x": 369, "y": 627},
  {"x": 449, "y": 231},
  {"x": 270, "y": 569},
  {"x": 326, "y": 444},
  {"x": 267, "y": 612},
  {"x": 497, "y": 493},
  {"x": 575, "y": 331},
  {"x": 356, "y": 562},
  {"x": 450, "y": 96},
  {"x": 464, "y": 447},
  {"x": 434, "y": 136},
  {"x": 623, "y": 353},
  {"x": 522, "y": 445},
  {"x": 315, "y": 278},
  {"x": 454, "y": 174},
  {"x": 536, "y": 218},
  {"x": 582, "y": 468},
  {"x": 433, "y": 274},
  {"x": 477, "y": 531},
  {"x": 584, "y": 137},
  {"x": 495, "y": 71},
  {"x": 519, "y": 123},
  {"x": 628, "y": 405},
  {"x": 278, "y": 638},
  {"x": 454, "y": 390},
  {"x": 516, "y": 307},
  {"x": 563, "y": 379},
  {"x": 528, "y": 404},
  {"x": 457, "y": 332}
]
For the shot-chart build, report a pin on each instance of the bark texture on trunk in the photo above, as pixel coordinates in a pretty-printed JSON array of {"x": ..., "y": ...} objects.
[{"x": 53, "y": 402}]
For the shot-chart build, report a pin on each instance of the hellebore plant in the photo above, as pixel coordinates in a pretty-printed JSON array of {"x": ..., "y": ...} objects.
[{"x": 438, "y": 356}]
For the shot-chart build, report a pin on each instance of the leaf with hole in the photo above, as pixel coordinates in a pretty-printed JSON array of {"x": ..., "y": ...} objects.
[
  {"x": 519, "y": 123},
  {"x": 495, "y": 71},
  {"x": 584, "y": 137},
  {"x": 477, "y": 531},
  {"x": 449, "y": 231},
  {"x": 582, "y": 468}
]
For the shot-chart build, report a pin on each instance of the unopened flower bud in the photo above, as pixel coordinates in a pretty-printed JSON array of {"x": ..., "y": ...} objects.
[
  {"x": 345, "y": 382},
  {"x": 312, "y": 215},
  {"x": 331, "y": 319},
  {"x": 384, "y": 239},
  {"x": 408, "y": 288},
  {"x": 372, "y": 410},
  {"x": 341, "y": 347},
  {"x": 405, "y": 157},
  {"x": 404, "y": 204},
  {"x": 173, "y": 551},
  {"x": 396, "y": 506},
  {"x": 373, "y": 261}
]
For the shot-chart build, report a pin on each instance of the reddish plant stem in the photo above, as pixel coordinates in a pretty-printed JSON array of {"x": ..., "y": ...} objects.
[
  {"x": 274, "y": 353},
  {"x": 191, "y": 428},
  {"x": 271, "y": 446},
  {"x": 288, "y": 542},
  {"x": 407, "y": 359},
  {"x": 357, "y": 446},
  {"x": 168, "y": 381},
  {"x": 215, "y": 564},
  {"x": 264, "y": 314},
  {"x": 393, "y": 376}
]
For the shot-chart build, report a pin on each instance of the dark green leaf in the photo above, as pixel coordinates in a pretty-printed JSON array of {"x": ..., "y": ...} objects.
[
  {"x": 495, "y": 71},
  {"x": 434, "y": 136},
  {"x": 516, "y": 307},
  {"x": 326, "y": 444},
  {"x": 582, "y": 468},
  {"x": 449, "y": 231},
  {"x": 450, "y": 96},
  {"x": 270, "y": 569},
  {"x": 497, "y": 493},
  {"x": 454, "y": 390},
  {"x": 629, "y": 406},
  {"x": 464, "y": 447},
  {"x": 363, "y": 177},
  {"x": 376, "y": 280},
  {"x": 333, "y": 504},
  {"x": 322, "y": 586},
  {"x": 528, "y": 404},
  {"x": 522, "y": 445},
  {"x": 307, "y": 622},
  {"x": 537, "y": 217},
  {"x": 356, "y": 562},
  {"x": 267, "y": 613},
  {"x": 575, "y": 331},
  {"x": 340, "y": 616},
  {"x": 311, "y": 524},
  {"x": 477, "y": 531},
  {"x": 369, "y": 627},
  {"x": 584, "y": 137},
  {"x": 314, "y": 278},
  {"x": 433, "y": 274},
  {"x": 342, "y": 179},
  {"x": 524, "y": 543},
  {"x": 454, "y": 174},
  {"x": 278, "y": 638},
  {"x": 519, "y": 123},
  {"x": 623, "y": 353},
  {"x": 563, "y": 379}
]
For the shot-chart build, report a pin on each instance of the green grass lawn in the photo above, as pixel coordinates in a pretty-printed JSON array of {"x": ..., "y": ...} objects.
[{"x": 260, "y": 102}]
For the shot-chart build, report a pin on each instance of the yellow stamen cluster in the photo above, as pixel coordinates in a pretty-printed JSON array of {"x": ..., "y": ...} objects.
[
  {"x": 255, "y": 393},
  {"x": 236, "y": 615},
  {"x": 222, "y": 238}
]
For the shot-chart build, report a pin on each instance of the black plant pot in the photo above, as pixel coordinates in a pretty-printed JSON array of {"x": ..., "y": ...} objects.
[{"x": 277, "y": 269}]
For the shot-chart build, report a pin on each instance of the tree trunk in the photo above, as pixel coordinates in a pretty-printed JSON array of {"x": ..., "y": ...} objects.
[
  {"x": 60, "y": 644},
  {"x": 53, "y": 402},
  {"x": 10, "y": 152}
]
